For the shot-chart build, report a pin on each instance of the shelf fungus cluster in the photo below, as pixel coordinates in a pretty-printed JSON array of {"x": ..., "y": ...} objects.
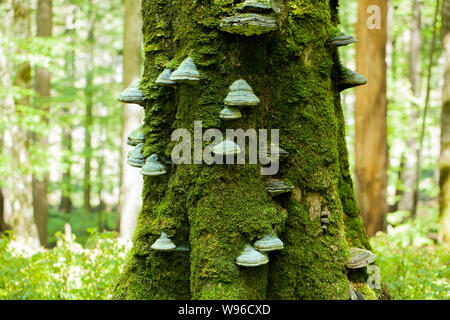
[
  {"x": 350, "y": 79},
  {"x": 163, "y": 243},
  {"x": 324, "y": 220},
  {"x": 136, "y": 136},
  {"x": 153, "y": 167},
  {"x": 164, "y": 78},
  {"x": 240, "y": 95},
  {"x": 132, "y": 94},
  {"x": 276, "y": 187},
  {"x": 135, "y": 157},
  {"x": 226, "y": 148},
  {"x": 256, "y": 255},
  {"x": 253, "y": 18},
  {"x": 187, "y": 72},
  {"x": 342, "y": 40},
  {"x": 360, "y": 258}
]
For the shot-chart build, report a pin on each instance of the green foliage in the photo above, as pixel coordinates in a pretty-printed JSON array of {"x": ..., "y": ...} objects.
[
  {"x": 68, "y": 271},
  {"x": 413, "y": 266}
]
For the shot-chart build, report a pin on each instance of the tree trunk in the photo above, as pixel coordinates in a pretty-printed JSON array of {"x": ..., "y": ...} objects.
[
  {"x": 42, "y": 87},
  {"x": 217, "y": 209},
  {"x": 131, "y": 187},
  {"x": 18, "y": 209},
  {"x": 370, "y": 113},
  {"x": 409, "y": 176},
  {"x": 88, "y": 112},
  {"x": 444, "y": 180},
  {"x": 66, "y": 143}
]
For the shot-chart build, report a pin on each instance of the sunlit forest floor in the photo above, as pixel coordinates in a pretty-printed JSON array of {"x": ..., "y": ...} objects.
[{"x": 412, "y": 264}]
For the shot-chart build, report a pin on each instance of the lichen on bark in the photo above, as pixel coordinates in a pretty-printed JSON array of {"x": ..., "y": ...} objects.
[{"x": 217, "y": 209}]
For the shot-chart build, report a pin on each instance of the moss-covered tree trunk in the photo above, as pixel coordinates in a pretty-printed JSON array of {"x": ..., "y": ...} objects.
[{"x": 217, "y": 209}]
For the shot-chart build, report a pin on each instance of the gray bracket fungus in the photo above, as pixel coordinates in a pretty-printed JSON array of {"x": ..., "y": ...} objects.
[
  {"x": 269, "y": 242},
  {"x": 132, "y": 94},
  {"x": 273, "y": 153},
  {"x": 163, "y": 243},
  {"x": 350, "y": 79},
  {"x": 241, "y": 95},
  {"x": 187, "y": 72},
  {"x": 136, "y": 136},
  {"x": 248, "y": 24},
  {"x": 153, "y": 167},
  {"x": 230, "y": 113},
  {"x": 164, "y": 78},
  {"x": 226, "y": 147},
  {"x": 342, "y": 40},
  {"x": 253, "y": 6},
  {"x": 360, "y": 258},
  {"x": 135, "y": 156},
  {"x": 275, "y": 187},
  {"x": 251, "y": 257}
]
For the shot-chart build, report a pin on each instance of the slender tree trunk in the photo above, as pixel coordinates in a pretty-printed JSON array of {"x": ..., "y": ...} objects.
[
  {"x": 88, "y": 112},
  {"x": 370, "y": 112},
  {"x": 131, "y": 188},
  {"x": 66, "y": 192},
  {"x": 409, "y": 176},
  {"x": 444, "y": 180},
  {"x": 217, "y": 209},
  {"x": 18, "y": 210},
  {"x": 42, "y": 87},
  {"x": 425, "y": 110}
]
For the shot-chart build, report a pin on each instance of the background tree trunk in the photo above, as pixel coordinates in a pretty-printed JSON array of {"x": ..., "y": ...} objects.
[
  {"x": 409, "y": 176},
  {"x": 18, "y": 209},
  {"x": 42, "y": 87},
  {"x": 216, "y": 209},
  {"x": 88, "y": 111},
  {"x": 66, "y": 143},
  {"x": 444, "y": 181},
  {"x": 370, "y": 113},
  {"x": 132, "y": 181}
]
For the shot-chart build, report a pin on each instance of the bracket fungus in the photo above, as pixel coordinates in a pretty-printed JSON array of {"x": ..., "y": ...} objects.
[
  {"x": 230, "y": 113},
  {"x": 269, "y": 242},
  {"x": 163, "y": 243},
  {"x": 273, "y": 153},
  {"x": 253, "y": 6},
  {"x": 360, "y": 258},
  {"x": 226, "y": 147},
  {"x": 186, "y": 72},
  {"x": 153, "y": 167},
  {"x": 350, "y": 79},
  {"x": 248, "y": 24},
  {"x": 241, "y": 94},
  {"x": 251, "y": 257},
  {"x": 342, "y": 40},
  {"x": 136, "y": 136},
  {"x": 276, "y": 187},
  {"x": 135, "y": 156},
  {"x": 132, "y": 94},
  {"x": 164, "y": 78},
  {"x": 324, "y": 221}
]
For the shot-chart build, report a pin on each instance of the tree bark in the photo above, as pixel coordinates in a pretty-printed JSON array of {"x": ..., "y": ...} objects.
[
  {"x": 132, "y": 182},
  {"x": 18, "y": 206},
  {"x": 217, "y": 209},
  {"x": 444, "y": 180},
  {"x": 370, "y": 113},
  {"x": 42, "y": 87}
]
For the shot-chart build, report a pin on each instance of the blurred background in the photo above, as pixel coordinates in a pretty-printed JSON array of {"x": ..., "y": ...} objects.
[{"x": 68, "y": 204}]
